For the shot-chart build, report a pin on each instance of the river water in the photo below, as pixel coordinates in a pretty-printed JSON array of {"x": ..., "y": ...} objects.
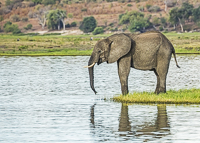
[{"x": 48, "y": 99}]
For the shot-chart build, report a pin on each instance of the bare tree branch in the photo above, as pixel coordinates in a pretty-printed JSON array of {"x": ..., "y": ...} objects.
[{"x": 41, "y": 15}]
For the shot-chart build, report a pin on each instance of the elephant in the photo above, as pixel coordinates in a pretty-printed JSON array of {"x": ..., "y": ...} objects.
[{"x": 145, "y": 51}]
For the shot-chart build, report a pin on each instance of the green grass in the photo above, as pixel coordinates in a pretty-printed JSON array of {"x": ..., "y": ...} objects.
[
  {"x": 183, "y": 96},
  {"x": 53, "y": 44}
]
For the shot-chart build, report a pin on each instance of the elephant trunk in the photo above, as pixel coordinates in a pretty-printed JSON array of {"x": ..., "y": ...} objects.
[{"x": 91, "y": 74}]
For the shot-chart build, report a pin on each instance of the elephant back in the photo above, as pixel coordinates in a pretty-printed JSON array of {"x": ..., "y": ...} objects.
[{"x": 145, "y": 51}]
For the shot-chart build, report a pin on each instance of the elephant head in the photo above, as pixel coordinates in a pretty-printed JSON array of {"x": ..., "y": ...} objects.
[{"x": 108, "y": 50}]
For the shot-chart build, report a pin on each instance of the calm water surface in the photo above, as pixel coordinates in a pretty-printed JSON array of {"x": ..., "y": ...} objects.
[{"x": 48, "y": 99}]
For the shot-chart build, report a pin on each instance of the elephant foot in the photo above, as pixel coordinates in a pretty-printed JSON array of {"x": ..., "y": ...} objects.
[
  {"x": 161, "y": 90},
  {"x": 156, "y": 91},
  {"x": 124, "y": 92}
]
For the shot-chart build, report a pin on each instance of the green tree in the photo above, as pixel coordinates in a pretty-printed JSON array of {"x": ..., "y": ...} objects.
[
  {"x": 12, "y": 28},
  {"x": 61, "y": 15},
  {"x": 127, "y": 17},
  {"x": 139, "y": 24},
  {"x": 135, "y": 20},
  {"x": 53, "y": 20},
  {"x": 196, "y": 15},
  {"x": 180, "y": 15},
  {"x": 88, "y": 24}
]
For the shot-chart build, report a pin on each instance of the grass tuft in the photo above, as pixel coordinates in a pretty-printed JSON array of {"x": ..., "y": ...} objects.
[{"x": 183, "y": 96}]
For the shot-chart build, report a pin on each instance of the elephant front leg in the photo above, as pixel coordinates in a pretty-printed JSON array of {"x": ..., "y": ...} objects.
[{"x": 123, "y": 72}]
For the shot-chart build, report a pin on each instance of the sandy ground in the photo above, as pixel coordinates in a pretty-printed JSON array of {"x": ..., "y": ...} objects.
[{"x": 63, "y": 32}]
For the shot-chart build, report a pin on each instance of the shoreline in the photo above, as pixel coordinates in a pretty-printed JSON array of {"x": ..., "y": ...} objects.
[
  {"x": 36, "y": 55},
  {"x": 79, "y": 45}
]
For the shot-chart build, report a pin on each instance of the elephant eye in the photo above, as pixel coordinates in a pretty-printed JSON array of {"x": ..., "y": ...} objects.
[{"x": 99, "y": 51}]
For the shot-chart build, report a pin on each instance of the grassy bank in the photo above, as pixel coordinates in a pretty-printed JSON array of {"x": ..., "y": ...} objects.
[
  {"x": 52, "y": 44},
  {"x": 37, "y": 45},
  {"x": 186, "y": 96}
]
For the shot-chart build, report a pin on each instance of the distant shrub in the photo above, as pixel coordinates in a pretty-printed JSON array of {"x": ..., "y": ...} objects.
[
  {"x": 15, "y": 18},
  {"x": 160, "y": 28},
  {"x": 111, "y": 24},
  {"x": 84, "y": 9},
  {"x": 70, "y": 15},
  {"x": 29, "y": 26},
  {"x": 154, "y": 8},
  {"x": 12, "y": 28},
  {"x": 16, "y": 31},
  {"x": 137, "y": 1},
  {"x": 129, "y": 5},
  {"x": 148, "y": 6},
  {"x": 98, "y": 30},
  {"x": 25, "y": 19},
  {"x": 67, "y": 25},
  {"x": 7, "y": 23},
  {"x": 73, "y": 24},
  {"x": 49, "y": 2},
  {"x": 141, "y": 8}
]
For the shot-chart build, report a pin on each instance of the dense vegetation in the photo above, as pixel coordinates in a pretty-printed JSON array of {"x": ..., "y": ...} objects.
[{"x": 52, "y": 14}]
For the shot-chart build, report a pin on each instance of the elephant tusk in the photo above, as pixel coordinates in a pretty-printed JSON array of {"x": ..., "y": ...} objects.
[{"x": 89, "y": 66}]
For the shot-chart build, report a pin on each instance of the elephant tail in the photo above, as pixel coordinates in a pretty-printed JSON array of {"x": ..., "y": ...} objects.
[{"x": 173, "y": 52}]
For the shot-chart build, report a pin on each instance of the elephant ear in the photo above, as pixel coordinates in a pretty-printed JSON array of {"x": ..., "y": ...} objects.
[{"x": 120, "y": 45}]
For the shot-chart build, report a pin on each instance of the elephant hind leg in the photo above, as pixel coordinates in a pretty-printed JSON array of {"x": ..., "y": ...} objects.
[
  {"x": 162, "y": 71},
  {"x": 158, "y": 82}
]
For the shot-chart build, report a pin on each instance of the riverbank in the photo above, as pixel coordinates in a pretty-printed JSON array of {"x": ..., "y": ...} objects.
[
  {"x": 183, "y": 96},
  {"x": 55, "y": 44}
]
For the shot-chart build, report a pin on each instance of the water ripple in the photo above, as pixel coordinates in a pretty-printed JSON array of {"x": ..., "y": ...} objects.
[{"x": 48, "y": 99}]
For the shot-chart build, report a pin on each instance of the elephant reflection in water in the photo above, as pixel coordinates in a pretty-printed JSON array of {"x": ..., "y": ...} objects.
[{"x": 161, "y": 123}]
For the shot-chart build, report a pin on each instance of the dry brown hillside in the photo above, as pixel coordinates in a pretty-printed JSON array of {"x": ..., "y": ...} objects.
[{"x": 104, "y": 12}]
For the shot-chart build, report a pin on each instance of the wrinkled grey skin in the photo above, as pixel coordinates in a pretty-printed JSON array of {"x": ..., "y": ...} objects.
[{"x": 147, "y": 51}]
